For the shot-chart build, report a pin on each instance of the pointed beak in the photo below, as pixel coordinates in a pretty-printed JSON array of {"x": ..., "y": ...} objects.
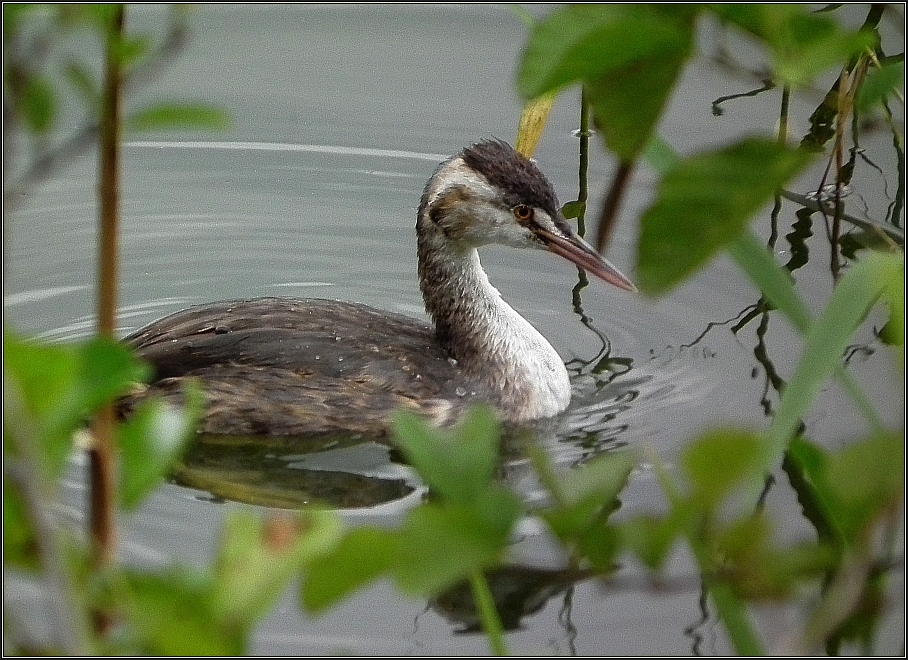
[{"x": 576, "y": 250}]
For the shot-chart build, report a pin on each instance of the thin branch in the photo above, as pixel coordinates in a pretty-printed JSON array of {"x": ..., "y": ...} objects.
[
  {"x": 51, "y": 162},
  {"x": 101, "y": 455}
]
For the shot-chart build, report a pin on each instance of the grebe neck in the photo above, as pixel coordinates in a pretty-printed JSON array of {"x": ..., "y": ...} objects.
[{"x": 495, "y": 347}]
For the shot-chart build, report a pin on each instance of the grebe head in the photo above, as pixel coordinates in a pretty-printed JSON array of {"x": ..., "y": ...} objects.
[{"x": 490, "y": 193}]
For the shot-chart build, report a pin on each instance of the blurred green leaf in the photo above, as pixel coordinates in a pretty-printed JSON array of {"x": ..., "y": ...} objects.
[
  {"x": 523, "y": 14},
  {"x": 747, "y": 560},
  {"x": 704, "y": 203},
  {"x": 852, "y": 298},
  {"x": 456, "y": 464},
  {"x": 258, "y": 557},
  {"x": 99, "y": 15},
  {"x": 600, "y": 545},
  {"x": 650, "y": 537},
  {"x": 362, "y": 555},
  {"x": 660, "y": 155},
  {"x": 844, "y": 485},
  {"x": 774, "y": 281},
  {"x": 37, "y": 105},
  {"x": 150, "y": 441},
  {"x": 441, "y": 544},
  {"x": 62, "y": 385},
  {"x": 718, "y": 462},
  {"x": 83, "y": 83},
  {"x": 599, "y": 480},
  {"x": 20, "y": 545},
  {"x": 12, "y": 17},
  {"x": 588, "y": 493},
  {"x": 170, "y": 613},
  {"x": 807, "y": 473},
  {"x": 736, "y": 617},
  {"x": 628, "y": 57},
  {"x": 177, "y": 115},
  {"x": 879, "y": 85},
  {"x": 893, "y": 333},
  {"x": 584, "y": 42},
  {"x": 128, "y": 49},
  {"x": 628, "y": 100},
  {"x": 864, "y": 479},
  {"x": 802, "y": 44}
]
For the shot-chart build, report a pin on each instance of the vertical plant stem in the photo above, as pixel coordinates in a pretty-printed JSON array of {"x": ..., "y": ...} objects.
[
  {"x": 488, "y": 614},
  {"x": 582, "y": 184},
  {"x": 838, "y": 151},
  {"x": 101, "y": 456},
  {"x": 612, "y": 203}
]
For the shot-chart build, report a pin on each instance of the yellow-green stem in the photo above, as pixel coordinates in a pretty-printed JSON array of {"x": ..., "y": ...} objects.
[{"x": 488, "y": 613}]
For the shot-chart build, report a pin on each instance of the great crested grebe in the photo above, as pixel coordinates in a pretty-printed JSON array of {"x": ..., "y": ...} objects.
[{"x": 296, "y": 366}]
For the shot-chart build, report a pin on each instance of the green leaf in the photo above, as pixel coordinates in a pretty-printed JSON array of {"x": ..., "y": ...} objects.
[
  {"x": 178, "y": 115},
  {"x": 627, "y": 56},
  {"x": 20, "y": 544},
  {"x": 628, "y": 101},
  {"x": 721, "y": 461},
  {"x": 587, "y": 494},
  {"x": 879, "y": 85},
  {"x": 13, "y": 14},
  {"x": 107, "y": 368},
  {"x": 850, "y": 488},
  {"x": 61, "y": 386},
  {"x": 171, "y": 615},
  {"x": 851, "y": 300},
  {"x": 736, "y": 617},
  {"x": 38, "y": 105},
  {"x": 807, "y": 470},
  {"x": 150, "y": 441},
  {"x": 456, "y": 464},
  {"x": 704, "y": 203},
  {"x": 84, "y": 83},
  {"x": 650, "y": 537},
  {"x": 573, "y": 209},
  {"x": 755, "y": 569},
  {"x": 100, "y": 15},
  {"x": 600, "y": 545},
  {"x": 584, "y": 42},
  {"x": 660, "y": 155},
  {"x": 600, "y": 479},
  {"x": 773, "y": 280},
  {"x": 864, "y": 479},
  {"x": 802, "y": 44},
  {"x": 128, "y": 49},
  {"x": 441, "y": 544},
  {"x": 893, "y": 332},
  {"x": 258, "y": 557},
  {"x": 361, "y": 556}
]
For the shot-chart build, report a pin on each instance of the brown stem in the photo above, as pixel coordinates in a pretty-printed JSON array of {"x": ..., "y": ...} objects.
[
  {"x": 613, "y": 203},
  {"x": 101, "y": 456}
]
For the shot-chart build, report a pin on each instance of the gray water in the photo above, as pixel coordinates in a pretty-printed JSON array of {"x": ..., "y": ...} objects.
[{"x": 339, "y": 115}]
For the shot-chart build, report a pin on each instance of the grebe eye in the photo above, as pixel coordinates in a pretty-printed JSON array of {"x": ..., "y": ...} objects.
[{"x": 522, "y": 212}]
